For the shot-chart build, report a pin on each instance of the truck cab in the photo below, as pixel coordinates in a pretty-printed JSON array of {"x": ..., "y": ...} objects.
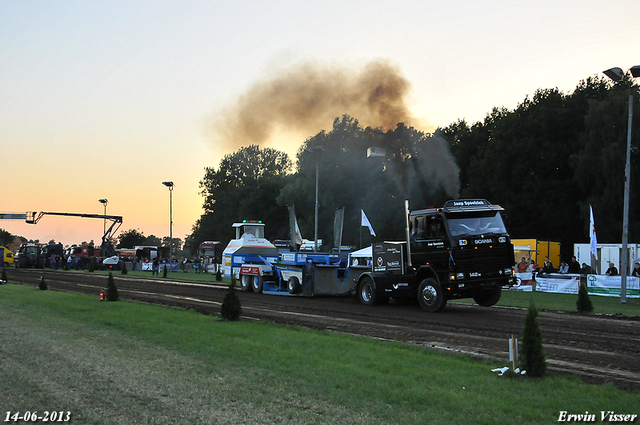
[
  {"x": 466, "y": 241},
  {"x": 461, "y": 250}
]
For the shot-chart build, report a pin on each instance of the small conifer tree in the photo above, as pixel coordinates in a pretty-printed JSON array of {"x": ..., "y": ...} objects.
[
  {"x": 164, "y": 272},
  {"x": 231, "y": 309},
  {"x": 91, "y": 266},
  {"x": 584, "y": 304},
  {"x": 43, "y": 285},
  {"x": 532, "y": 358},
  {"x": 112, "y": 291},
  {"x": 4, "y": 274},
  {"x": 219, "y": 276},
  {"x": 124, "y": 268}
]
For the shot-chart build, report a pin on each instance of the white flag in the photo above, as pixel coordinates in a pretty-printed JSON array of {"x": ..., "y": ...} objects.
[
  {"x": 592, "y": 230},
  {"x": 366, "y": 223}
]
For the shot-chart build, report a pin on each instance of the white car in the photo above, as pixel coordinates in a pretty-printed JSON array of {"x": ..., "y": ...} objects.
[{"x": 112, "y": 263}]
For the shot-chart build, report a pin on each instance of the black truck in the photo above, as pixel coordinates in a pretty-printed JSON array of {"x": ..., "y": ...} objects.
[{"x": 461, "y": 250}]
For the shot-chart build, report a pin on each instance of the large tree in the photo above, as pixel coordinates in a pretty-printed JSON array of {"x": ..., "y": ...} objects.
[
  {"x": 176, "y": 243},
  {"x": 415, "y": 165},
  {"x": 547, "y": 160},
  {"x": 6, "y": 238},
  {"x": 599, "y": 163},
  {"x": 130, "y": 239},
  {"x": 244, "y": 187}
]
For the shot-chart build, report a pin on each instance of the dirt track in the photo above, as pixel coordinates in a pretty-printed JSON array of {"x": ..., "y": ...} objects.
[{"x": 596, "y": 348}]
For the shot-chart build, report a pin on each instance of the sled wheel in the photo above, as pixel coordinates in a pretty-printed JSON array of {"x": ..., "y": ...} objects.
[
  {"x": 245, "y": 283},
  {"x": 293, "y": 285}
]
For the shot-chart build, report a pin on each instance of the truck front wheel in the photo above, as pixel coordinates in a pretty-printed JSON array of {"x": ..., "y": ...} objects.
[
  {"x": 245, "y": 282},
  {"x": 488, "y": 297},
  {"x": 430, "y": 296}
]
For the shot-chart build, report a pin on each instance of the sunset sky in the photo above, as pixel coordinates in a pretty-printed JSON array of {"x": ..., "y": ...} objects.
[{"x": 108, "y": 99}]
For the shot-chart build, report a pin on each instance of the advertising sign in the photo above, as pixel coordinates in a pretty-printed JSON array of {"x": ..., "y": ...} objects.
[
  {"x": 609, "y": 286},
  {"x": 388, "y": 257},
  {"x": 558, "y": 283}
]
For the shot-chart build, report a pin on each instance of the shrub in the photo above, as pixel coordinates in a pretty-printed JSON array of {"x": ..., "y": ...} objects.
[
  {"x": 112, "y": 291},
  {"x": 231, "y": 309},
  {"x": 584, "y": 304},
  {"x": 91, "y": 264},
  {"x": 219, "y": 276},
  {"x": 532, "y": 358},
  {"x": 164, "y": 271},
  {"x": 43, "y": 285},
  {"x": 124, "y": 268}
]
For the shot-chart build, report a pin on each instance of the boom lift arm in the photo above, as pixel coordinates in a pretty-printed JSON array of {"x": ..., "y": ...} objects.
[{"x": 116, "y": 222}]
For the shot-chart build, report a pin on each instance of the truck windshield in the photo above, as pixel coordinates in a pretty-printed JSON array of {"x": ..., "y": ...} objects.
[
  {"x": 252, "y": 231},
  {"x": 29, "y": 250},
  {"x": 464, "y": 224}
]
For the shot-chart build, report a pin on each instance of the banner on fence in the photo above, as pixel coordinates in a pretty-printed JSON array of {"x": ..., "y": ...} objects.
[
  {"x": 558, "y": 283},
  {"x": 525, "y": 282},
  {"x": 609, "y": 286}
]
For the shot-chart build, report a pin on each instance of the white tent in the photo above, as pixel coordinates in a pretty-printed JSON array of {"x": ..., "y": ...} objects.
[{"x": 361, "y": 256}]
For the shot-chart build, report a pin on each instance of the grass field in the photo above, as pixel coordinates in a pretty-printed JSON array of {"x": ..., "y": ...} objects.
[{"x": 122, "y": 362}]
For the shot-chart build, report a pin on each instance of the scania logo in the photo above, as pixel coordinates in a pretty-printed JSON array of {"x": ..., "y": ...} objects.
[
  {"x": 481, "y": 241},
  {"x": 380, "y": 261}
]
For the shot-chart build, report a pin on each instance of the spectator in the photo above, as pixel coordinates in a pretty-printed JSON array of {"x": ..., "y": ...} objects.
[
  {"x": 564, "y": 267},
  {"x": 585, "y": 269},
  {"x": 548, "y": 266},
  {"x": 155, "y": 266},
  {"x": 574, "y": 266},
  {"x": 636, "y": 270},
  {"x": 522, "y": 266},
  {"x": 612, "y": 270}
]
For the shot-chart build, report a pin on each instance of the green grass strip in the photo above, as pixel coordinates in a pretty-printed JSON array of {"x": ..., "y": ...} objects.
[{"x": 125, "y": 362}]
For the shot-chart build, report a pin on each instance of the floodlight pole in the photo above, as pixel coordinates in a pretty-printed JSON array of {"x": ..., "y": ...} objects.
[
  {"x": 616, "y": 74},
  {"x": 104, "y": 202},
  {"x": 170, "y": 186}
]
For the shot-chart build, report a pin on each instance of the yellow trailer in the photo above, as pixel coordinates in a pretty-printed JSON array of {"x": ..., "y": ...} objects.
[{"x": 536, "y": 250}]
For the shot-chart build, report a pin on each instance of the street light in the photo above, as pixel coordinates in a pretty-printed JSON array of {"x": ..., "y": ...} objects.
[
  {"x": 170, "y": 186},
  {"x": 104, "y": 202},
  {"x": 315, "y": 151},
  {"x": 616, "y": 74}
]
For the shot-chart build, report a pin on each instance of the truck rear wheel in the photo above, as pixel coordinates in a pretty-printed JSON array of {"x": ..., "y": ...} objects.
[
  {"x": 293, "y": 285},
  {"x": 257, "y": 284},
  {"x": 245, "y": 282},
  {"x": 488, "y": 297},
  {"x": 367, "y": 292},
  {"x": 430, "y": 296}
]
